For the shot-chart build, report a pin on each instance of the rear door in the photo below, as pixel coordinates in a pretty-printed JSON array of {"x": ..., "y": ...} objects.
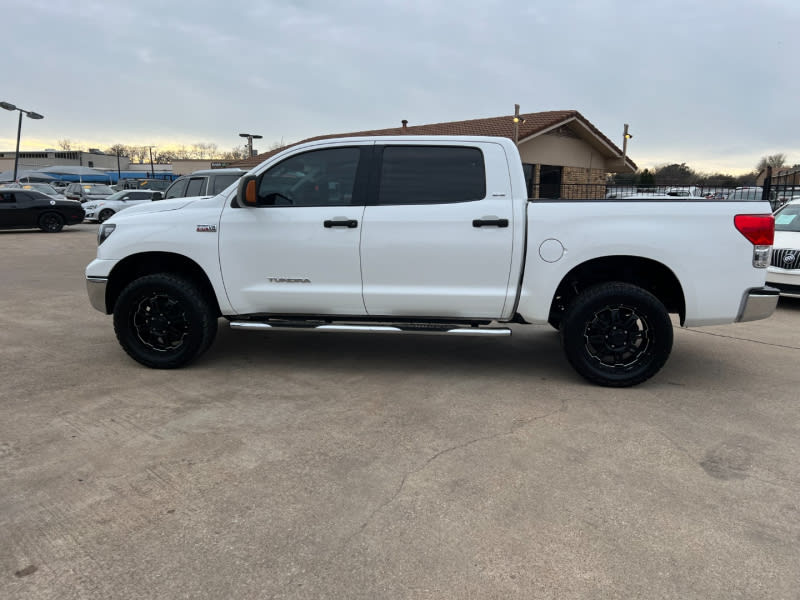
[
  {"x": 9, "y": 214},
  {"x": 438, "y": 231}
]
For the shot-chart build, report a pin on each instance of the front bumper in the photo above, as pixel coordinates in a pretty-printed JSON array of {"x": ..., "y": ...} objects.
[
  {"x": 786, "y": 280},
  {"x": 96, "y": 288},
  {"x": 758, "y": 303}
]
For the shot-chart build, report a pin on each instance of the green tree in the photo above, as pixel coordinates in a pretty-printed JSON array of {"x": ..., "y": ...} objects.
[
  {"x": 646, "y": 178},
  {"x": 675, "y": 174}
]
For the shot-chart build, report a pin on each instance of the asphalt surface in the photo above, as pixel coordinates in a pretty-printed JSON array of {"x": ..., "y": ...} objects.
[{"x": 301, "y": 465}]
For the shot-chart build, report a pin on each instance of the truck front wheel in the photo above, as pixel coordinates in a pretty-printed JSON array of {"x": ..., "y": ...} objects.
[
  {"x": 164, "y": 321},
  {"x": 616, "y": 334}
]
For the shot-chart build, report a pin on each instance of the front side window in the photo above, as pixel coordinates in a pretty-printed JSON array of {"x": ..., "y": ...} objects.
[
  {"x": 317, "y": 178},
  {"x": 431, "y": 175},
  {"x": 177, "y": 189}
]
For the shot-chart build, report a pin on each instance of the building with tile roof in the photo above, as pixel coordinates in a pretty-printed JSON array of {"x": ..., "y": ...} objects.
[{"x": 564, "y": 155}]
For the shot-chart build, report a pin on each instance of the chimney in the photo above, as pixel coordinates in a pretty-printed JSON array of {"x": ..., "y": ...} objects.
[{"x": 405, "y": 125}]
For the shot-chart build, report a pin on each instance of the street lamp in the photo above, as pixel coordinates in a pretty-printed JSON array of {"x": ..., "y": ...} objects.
[
  {"x": 625, "y": 137},
  {"x": 31, "y": 115},
  {"x": 250, "y": 137}
]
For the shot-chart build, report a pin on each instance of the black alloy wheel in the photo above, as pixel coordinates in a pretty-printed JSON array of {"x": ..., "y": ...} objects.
[
  {"x": 51, "y": 222},
  {"x": 164, "y": 321},
  {"x": 105, "y": 215},
  {"x": 617, "y": 334}
]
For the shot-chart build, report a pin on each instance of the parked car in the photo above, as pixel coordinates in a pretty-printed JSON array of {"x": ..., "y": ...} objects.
[
  {"x": 27, "y": 209},
  {"x": 208, "y": 182},
  {"x": 59, "y": 185},
  {"x": 83, "y": 192},
  {"x": 102, "y": 210},
  {"x": 688, "y": 191},
  {"x": 784, "y": 270},
  {"x": 413, "y": 234},
  {"x": 45, "y": 188},
  {"x": 142, "y": 184}
]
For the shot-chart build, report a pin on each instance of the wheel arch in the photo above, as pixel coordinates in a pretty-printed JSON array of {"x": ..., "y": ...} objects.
[
  {"x": 148, "y": 263},
  {"x": 649, "y": 274}
]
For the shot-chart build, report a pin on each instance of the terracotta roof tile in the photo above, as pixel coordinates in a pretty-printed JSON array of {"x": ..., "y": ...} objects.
[{"x": 492, "y": 126}]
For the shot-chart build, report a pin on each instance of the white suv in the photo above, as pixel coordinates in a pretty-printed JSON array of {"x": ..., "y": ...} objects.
[{"x": 102, "y": 210}]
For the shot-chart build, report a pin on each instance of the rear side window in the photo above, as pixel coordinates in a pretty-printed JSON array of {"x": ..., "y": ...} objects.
[
  {"x": 431, "y": 175},
  {"x": 196, "y": 187},
  {"x": 223, "y": 181}
]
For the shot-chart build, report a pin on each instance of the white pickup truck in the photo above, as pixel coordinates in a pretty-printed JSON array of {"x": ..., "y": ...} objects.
[{"x": 428, "y": 235}]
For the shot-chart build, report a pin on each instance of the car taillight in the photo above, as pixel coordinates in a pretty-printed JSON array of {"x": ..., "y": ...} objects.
[{"x": 760, "y": 231}]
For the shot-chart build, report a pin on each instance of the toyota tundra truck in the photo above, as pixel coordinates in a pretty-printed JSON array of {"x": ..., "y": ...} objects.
[{"x": 396, "y": 235}]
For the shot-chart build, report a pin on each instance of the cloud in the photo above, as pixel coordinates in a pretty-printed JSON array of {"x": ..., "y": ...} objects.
[{"x": 711, "y": 82}]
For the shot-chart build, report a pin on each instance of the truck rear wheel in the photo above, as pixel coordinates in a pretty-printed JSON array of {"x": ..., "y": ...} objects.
[
  {"x": 164, "y": 321},
  {"x": 616, "y": 334}
]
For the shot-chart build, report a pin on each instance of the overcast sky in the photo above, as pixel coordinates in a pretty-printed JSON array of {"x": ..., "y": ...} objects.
[{"x": 713, "y": 83}]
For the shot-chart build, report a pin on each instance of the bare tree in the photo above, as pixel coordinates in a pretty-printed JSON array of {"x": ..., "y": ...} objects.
[
  {"x": 120, "y": 149},
  {"x": 65, "y": 144},
  {"x": 776, "y": 161}
]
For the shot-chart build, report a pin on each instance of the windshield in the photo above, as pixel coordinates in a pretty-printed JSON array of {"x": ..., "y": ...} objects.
[
  {"x": 118, "y": 195},
  {"x": 99, "y": 189},
  {"x": 40, "y": 187},
  {"x": 788, "y": 219}
]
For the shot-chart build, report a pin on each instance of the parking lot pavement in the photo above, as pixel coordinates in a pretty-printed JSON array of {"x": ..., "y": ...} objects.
[{"x": 312, "y": 466}]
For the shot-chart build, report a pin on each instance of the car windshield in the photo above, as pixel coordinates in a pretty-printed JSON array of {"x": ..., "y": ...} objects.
[
  {"x": 788, "y": 218},
  {"x": 98, "y": 189},
  {"x": 119, "y": 195},
  {"x": 40, "y": 187}
]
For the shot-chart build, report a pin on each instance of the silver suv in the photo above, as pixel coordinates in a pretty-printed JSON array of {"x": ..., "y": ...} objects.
[
  {"x": 208, "y": 182},
  {"x": 83, "y": 192}
]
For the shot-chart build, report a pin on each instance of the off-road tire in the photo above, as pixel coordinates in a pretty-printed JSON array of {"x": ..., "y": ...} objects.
[
  {"x": 616, "y": 334},
  {"x": 164, "y": 321}
]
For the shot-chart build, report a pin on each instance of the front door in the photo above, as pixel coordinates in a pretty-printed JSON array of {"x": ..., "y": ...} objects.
[
  {"x": 298, "y": 251},
  {"x": 438, "y": 232}
]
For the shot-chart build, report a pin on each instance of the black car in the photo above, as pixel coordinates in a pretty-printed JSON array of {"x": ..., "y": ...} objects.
[{"x": 26, "y": 209}]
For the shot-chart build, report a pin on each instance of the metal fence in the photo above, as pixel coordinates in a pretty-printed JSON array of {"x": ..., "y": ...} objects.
[{"x": 777, "y": 195}]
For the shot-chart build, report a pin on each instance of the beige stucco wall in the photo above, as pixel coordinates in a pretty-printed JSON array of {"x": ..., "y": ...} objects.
[{"x": 551, "y": 149}]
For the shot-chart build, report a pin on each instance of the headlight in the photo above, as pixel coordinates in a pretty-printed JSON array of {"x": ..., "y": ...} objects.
[
  {"x": 89, "y": 206},
  {"x": 106, "y": 229}
]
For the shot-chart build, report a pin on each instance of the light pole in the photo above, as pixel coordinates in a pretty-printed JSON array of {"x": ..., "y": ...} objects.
[
  {"x": 250, "y": 137},
  {"x": 31, "y": 115},
  {"x": 625, "y": 137}
]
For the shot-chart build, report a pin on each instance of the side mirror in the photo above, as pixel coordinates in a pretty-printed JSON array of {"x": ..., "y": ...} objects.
[{"x": 247, "y": 193}]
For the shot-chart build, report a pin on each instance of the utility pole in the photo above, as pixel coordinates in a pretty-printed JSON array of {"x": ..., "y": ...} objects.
[{"x": 152, "y": 172}]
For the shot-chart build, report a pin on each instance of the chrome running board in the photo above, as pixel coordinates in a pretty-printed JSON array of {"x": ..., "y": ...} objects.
[{"x": 424, "y": 330}]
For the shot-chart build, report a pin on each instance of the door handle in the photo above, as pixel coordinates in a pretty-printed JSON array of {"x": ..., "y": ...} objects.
[
  {"x": 490, "y": 222},
  {"x": 349, "y": 223}
]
